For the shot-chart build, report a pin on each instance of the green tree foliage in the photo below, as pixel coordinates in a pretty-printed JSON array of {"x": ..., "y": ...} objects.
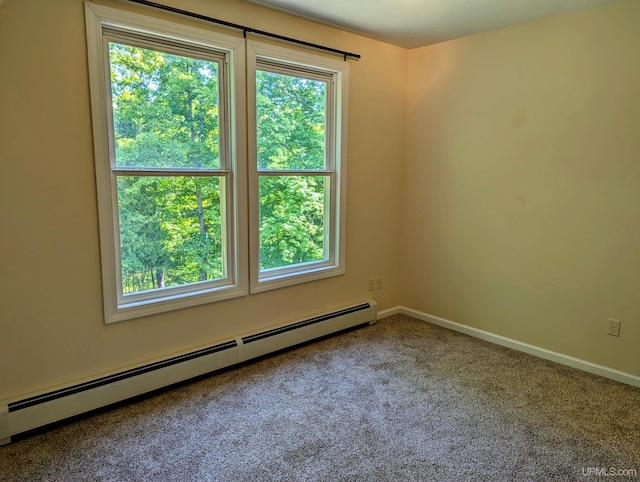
[
  {"x": 290, "y": 121},
  {"x": 166, "y": 115},
  {"x": 291, "y": 116},
  {"x": 291, "y": 220},
  {"x": 165, "y": 110}
]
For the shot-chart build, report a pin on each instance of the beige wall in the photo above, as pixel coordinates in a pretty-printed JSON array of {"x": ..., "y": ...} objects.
[
  {"x": 50, "y": 285},
  {"x": 522, "y": 183},
  {"x": 504, "y": 197}
]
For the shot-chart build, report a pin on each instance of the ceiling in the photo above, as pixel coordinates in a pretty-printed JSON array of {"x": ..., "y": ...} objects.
[{"x": 415, "y": 23}]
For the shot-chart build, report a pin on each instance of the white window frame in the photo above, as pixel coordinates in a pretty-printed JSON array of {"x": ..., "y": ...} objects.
[
  {"x": 336, "y": 152},
  {"x": 118, "y": 307}
]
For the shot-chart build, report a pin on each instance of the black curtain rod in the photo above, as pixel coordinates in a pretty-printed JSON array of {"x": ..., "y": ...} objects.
[{"x": 244, "y": 28}]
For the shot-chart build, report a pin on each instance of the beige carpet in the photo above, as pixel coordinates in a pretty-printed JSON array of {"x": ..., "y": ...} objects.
[{"x": 400, "y": 400}]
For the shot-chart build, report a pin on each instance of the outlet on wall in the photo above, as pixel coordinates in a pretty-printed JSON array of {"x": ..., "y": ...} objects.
[
  {"x": 379, "y": 283},
  {"x": 371, "y": 284},
  {"x": 614, "y": 327}
]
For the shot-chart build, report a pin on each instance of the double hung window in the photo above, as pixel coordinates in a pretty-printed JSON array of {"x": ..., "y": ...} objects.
[
  {"x": 183, "y": 124},
  {"x": 165, "y": 120},
  {"x": 296, "y": 116}
]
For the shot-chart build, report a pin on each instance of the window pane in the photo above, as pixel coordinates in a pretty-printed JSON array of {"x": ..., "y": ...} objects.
[
  {"x": 290, "y": 121},
  {"x": 165, "y": 109},
  {"x": 170, "y": 231},
  {"x": 293, "y": 224}
]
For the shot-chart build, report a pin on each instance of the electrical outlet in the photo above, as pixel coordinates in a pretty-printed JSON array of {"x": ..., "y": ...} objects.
[
  {"x": 614, "y": 327},
  {"x": 379, "y": 283},
  {"x": 371, "y": 284}
]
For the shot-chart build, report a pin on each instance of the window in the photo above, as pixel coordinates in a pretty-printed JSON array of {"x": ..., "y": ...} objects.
[
  {"x": 178, "y": 116},
  {"x": 297, "y": 112},
  {"x": 165, "y": 163}
]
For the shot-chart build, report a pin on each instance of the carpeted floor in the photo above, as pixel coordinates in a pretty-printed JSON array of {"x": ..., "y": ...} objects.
[{"x": 400, "y": 400}]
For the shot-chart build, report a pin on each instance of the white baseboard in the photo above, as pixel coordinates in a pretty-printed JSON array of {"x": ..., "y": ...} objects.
[
  {"x": 389, "y": 312},
  {"x": 561, "y": 358}
]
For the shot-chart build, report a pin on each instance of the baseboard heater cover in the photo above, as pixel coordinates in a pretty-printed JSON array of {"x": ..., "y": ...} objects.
[{"x": 24, "y": 414}]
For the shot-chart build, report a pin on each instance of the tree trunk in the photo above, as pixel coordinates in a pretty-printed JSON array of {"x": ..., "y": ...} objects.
[
  {"x": 203, "y": 230},
  {"x": 203, "y": 226}
]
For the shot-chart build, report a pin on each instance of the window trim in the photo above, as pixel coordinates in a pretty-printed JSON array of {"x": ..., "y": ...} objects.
[
  {"x": 335, "y": 169},
  {"x": 98, "y": 18}
]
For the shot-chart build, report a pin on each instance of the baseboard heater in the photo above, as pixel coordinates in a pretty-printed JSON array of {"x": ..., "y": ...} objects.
[{"x": 24, "y": 414}]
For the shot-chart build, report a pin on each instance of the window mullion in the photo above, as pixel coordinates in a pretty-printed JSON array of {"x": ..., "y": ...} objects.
[
  {"x": 271, "y": 172},
  {"x": 121, "y": 171}
]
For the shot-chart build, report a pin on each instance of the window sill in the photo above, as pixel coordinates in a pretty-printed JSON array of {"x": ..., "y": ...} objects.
[
  {"x": 275, "y": 281},
  {"x": 129, "y": 310}
]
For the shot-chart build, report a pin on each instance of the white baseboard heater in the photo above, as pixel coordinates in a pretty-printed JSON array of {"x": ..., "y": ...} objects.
[{"x": 24, "y": 414}]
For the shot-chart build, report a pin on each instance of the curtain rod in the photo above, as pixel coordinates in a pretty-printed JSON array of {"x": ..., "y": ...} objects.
[{"x": 244, "y": 28}]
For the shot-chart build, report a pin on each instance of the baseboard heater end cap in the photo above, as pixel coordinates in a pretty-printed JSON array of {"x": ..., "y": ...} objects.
[
  {"x": 4, "y": 424},
  {"x": 374, "y": 305}
]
